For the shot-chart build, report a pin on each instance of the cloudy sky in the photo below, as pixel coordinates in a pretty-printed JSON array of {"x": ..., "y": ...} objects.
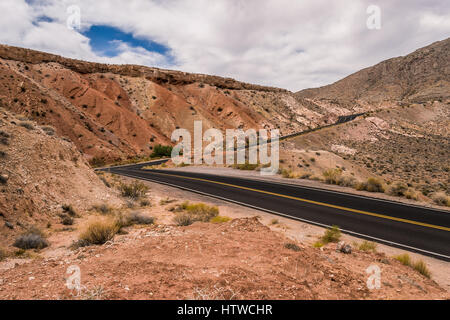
[{"x": 293, "y": 44}]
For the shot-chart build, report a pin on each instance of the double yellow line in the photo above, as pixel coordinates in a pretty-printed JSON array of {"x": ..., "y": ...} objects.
[{"x": 314, "y": 202}]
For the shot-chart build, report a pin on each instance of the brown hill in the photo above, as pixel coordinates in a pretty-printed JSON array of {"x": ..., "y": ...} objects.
[
  {"x": 423, "y": 75},
  {"x": 39, "y": 173},
  {"x": 120, "y": 111}
]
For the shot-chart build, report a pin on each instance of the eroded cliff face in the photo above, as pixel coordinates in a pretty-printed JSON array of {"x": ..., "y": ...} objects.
[{"x": 120, "y": 111}]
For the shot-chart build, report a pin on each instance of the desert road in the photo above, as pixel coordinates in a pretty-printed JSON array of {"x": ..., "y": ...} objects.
[{"x": 413, "y": 228}]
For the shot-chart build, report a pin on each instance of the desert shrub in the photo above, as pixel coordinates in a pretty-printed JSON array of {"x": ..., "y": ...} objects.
[
  {"x": 97, "y": 162},
  {"x": 421, "y": 267},
  {"x": 441, "y": 199},
  {"x": 371, "y": 185},
  {"x": 144, "y": 203},
  {"x": 411, "y": 194},
  {"x": 67, "y": 220},
  {"x": 397, "y": 189},
  {"x": 347, "y": 181},
  {"x": 200, "y": 211},
  {"x": 102, "y": 208},
  {"x": 404, "y": 259},
  {"x": 161, "y": 151},
  {"x": 26, "y": 124},
  {"x": 220, "y": 219},
  {"x": 245, "y": 166},
  {"x": 292, "y": 246},
  {"x": 367, "y": 246},
  {"x": 99, "y": 231},
  {"x": 134, "y": 190},
  {"x": 317, "y": 244},
  {"x": 332, "y": 176},
  {"x": 163, "y": 202},
  {"x": 31, "y": 239},
  {"x": 274, "y": 221},
  {"x": 332, "y": 234},
  {"x": 194, "y": 212},
  {"x": 183, "y": 219},
  {"x": 49, "y": 130},
  {"x": 288, "y": 174},
  {"x": 139, "y": 218},
  {"x": 69, "y": 210}
]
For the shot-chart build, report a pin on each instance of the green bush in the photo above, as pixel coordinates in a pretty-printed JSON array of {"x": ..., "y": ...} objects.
[
  {"x": 332, "y": 234},
  {"x": 160, "y": 151}
]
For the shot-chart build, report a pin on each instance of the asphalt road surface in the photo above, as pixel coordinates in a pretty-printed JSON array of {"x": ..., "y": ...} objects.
[{"x": 412, "y": 228}]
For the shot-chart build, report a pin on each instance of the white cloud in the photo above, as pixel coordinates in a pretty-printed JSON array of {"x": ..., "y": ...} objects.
[{"x": 284, "y": 43}]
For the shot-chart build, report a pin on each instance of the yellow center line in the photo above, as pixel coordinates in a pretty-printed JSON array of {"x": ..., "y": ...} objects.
[{"x": 313, "y": 202}]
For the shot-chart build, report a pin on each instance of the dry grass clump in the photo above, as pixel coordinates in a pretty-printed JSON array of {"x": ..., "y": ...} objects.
[
  {"x": 401, "y": 189},
  {"x": 100, "y": 231},
  {"x": 372, "y": 185},
  {"x": 134, "y": 190},
  {"x": 27, "y": 125},
  {"x": 367, "y": 246},
  {"x": 441, "y": 199},
  {"x": 332, "y": 176},
  {"x": 103, "y": 208},
  {"x": 191, "y": 212},
  {"x": 419, "y": 266},
  {"x": 404, "y": 259},
  {"x": 332, "y": 234},
  {"x": 69, "y": 210},
  {"x": 138, "y": 218},
  {"x": 422, "y": 268},
  {"x": 33, "y": 238},
  {"x": 245, "y": 166},
  {"x": 220, "y": 219},
  {"x": 289, "y": 174}
]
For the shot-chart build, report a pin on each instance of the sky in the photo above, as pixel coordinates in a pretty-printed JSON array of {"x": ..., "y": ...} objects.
[{"x": 292, "y": 44}]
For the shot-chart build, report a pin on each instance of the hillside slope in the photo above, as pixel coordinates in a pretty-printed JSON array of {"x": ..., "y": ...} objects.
[
  {"x": 40, "y": 172},
  {"x": 421, "y": 76}
]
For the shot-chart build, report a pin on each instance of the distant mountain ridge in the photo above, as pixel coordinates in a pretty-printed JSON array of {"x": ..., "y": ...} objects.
[{"x": 420, "y": 76}]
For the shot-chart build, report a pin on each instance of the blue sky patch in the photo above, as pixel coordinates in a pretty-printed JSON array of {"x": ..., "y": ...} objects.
[{"x": 103, "y": 41}]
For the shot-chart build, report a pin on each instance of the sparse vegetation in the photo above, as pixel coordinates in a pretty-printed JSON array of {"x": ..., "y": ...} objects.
[
  {"x": 274, "y": 221},
  {"x": 422, "y": 268},
  {"x": 292, "y": 246},
  {"x": 69, "y": 210},
  {"x": 367, "y": 246},
  {"x": 332, "y": 176},
  {"x": 27, "y": 124},
  {"x": 31, "y": 239},
  {"x": 134, "y": 190},
  {"x": 49, "y": 130},
  {"x": 194, "y": 212},
  {"x": 332, "y": 234},
  {"x": 160, "y": 151},
  {"x": 404, "y": 259},
  {"x": 372, "y": 185},
  {"x": 138, "y": 218},
  {"x": 103, "y": 208},
  {"x": 440, "y": 198},
  {"x": 100, "y": 231},
  {"x": 219, "y": 219},
  {"x": 245, "y": 166}
]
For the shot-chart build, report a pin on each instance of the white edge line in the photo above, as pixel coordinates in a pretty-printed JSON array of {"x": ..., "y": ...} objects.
[{"x": 290, "y": 217}]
